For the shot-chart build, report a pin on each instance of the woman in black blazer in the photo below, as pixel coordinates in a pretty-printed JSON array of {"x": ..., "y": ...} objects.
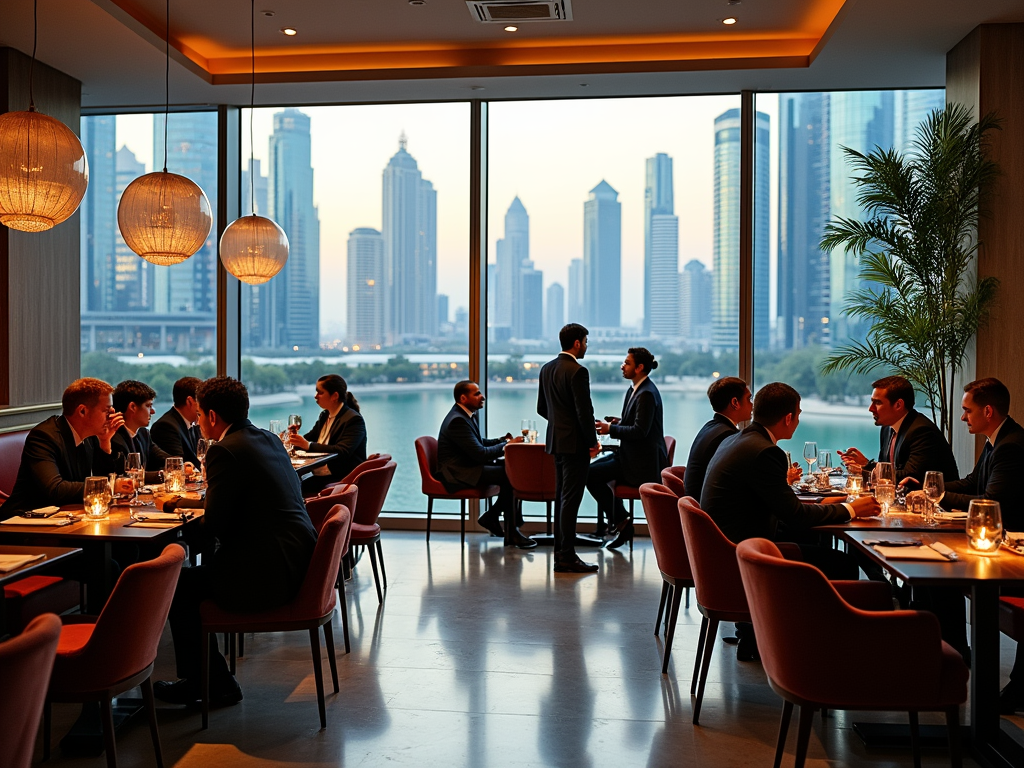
[{"x": 345, "y": 435}]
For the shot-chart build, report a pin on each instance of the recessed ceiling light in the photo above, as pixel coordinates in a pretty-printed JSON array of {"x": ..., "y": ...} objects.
[
  {"x": 511, "y": 28},
  {"x": 268, "y": 13},
  {"x": 417, "y": 2},
  {"x": 730, "y": 20},
  {"x": 289, "y": 31}
]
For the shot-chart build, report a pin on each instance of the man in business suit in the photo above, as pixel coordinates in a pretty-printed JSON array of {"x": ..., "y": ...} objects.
[
  {"x": 134, "y": 401},
  {"x": 340, "y": 429},
  {"x": 176, "y": 431},
  {"x": 62, "y": 451},
  {"x": 255, "y": 510},
  {"x": 909, "y": 439},
  {"x": 732, "y": 403},
  {"x": 642, "y": 453},
  {"x": 564, "y": 401},
  {"x": 465, "y": 459}
]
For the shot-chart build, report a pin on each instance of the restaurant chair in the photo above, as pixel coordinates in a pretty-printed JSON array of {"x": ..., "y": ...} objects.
[
  {"x": 319, "y": 509},
  {"x": 531, "y": 472},
  {"x": 631, "y": 493},
  {"x": 672, "y": 478},
  {"x": 312, "y": 608},
  {"x": 373, "y": 490},
  {"x": 12, "y": 445},
  {"x": 432, "y": 488},
  {"x": 662, "y": 513},
  {"x": 790, "y": 604},
  {"x": 35, "y": 595},
  {"x": 100, "y": 657},
  {"x": 380, "y": 461},
  {"x": 26, "y": 662}
]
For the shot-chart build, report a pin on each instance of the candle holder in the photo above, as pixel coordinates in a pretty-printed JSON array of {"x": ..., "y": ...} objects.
[
  {"x": 984, "y": 526},
  {"x": 97, "y": 498}
]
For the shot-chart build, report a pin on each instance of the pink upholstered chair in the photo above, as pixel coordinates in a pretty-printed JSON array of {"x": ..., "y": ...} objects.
[
  {"x": 378, "y": 461},
  {"x": 791, "y": 603},
  {"x": 672, "y": 478},
  {"x": 26, "y": 662},
  {"x": 373, "y": 490},
  {"x": 630, "y": 493},
  {"x": 531, "y": 471},
  {"x": 12, "y": 444},
  {"x": 319, "y": 509},
  {"x": 426, "y": 457}
]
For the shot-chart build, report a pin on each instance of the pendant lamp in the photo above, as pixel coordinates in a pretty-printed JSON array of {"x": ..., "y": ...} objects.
[
  {"x": 253, "y": 248},
  {"x": 164, "y": 217},
  {"x": 43, "y": 169}
]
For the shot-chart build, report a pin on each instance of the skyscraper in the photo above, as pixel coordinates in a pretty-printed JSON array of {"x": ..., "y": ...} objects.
[
  {"x": 510, "y": 253},
  {"x": 410, "y": 249},
  {"x": 661, "y": 251},
  {"x": 365, "y": 325},
  {"x": 910, "y": 109},
  {"x": 575, "y": 301},
  {"x": 130, "y": 276},
  {"x": 602, "y": 257},
  {"x": 725, "y": 307},
  {"x": 98, "y": 215},
  {"x": 695, "y": 304},
  {"x": 259, "y": 189},
  {"x": 530, "y": 315},
  {"x": 554, "y": 311},
  {"x": 442, "y": 309}
]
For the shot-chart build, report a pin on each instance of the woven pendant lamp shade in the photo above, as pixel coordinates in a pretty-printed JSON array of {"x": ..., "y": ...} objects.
[
  {"x": 253, "y": 249},
  {"x": 43, "y": 171},
  {"x": 164, "y": 217}
]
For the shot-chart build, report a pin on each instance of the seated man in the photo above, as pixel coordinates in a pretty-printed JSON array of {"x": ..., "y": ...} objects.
[
  {"x": 731, "y": 401},
  {"x": 176, "y": 431},
  {"x": 134, "y": 401},
  {"x": 467, "y": 460},
  {"x": 255, "y": 510},
  {"x": 340, "y": 429},
  {"x": 64, "y": 450},
  {"x": 642, "y": 453}
]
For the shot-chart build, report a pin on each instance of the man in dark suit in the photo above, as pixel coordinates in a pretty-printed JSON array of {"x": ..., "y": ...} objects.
[
  {"x": 134, "y": 401},
  {"x": 62, "y": 451},
  {"x": 564, "y": 401},
  {"x": 340, "y": 429},
  {"x": 255, "y": 510},
  {"x": 909, "y": 439},
  {"x": 176, "y": 431},
  {"x": 465, "y": 459},
  {"x": 642, "y": 453},
  {"x": 731, "y": 401}
]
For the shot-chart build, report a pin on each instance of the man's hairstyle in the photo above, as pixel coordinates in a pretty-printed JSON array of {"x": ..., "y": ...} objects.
[
  {"x": 773, "y": 402},
  {"x": 722, "y": 391},
  {"x": 570, "y": 334},
  {"x": 131, "y": 391},
  {"x": 896, "y": 388},
  {"x": 184, "y": 389},
  {"x": 462, "y": 388},
  {"x": 990, "y": 392},
  {"x": 226, "y": 397},
  {"x": 642, "y": 356},
  {"x": 85, "y": 392}
]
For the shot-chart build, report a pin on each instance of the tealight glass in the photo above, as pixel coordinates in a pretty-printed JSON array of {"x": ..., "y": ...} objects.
[{"x": 984, "y": 526}]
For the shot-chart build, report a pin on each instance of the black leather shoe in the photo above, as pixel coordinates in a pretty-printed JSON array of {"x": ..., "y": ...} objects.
[
  {"x": 491, "y": 524},
  {"x": 225, "y": 694},
  {"x": 178, "y": 692},
  {"x": 746, "y": 650},
  {"x": 624, "y": 536},
  {"x": 1011, "y": 698},
  {"x": 521, "y": 541},
  {"x": 575, "y": 566}
]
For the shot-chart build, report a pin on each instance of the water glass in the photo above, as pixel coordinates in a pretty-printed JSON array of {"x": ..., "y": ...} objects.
[
  {"x": 134, "y": 469},
  {"x": 524, "y": 427},
  {"x": 97, "y": 497},
  {"x": 984, "y": 526},
  {"x": 531, "y": 436},
  {"x": 934, "y": 489},
  {"x": 275, "y": 426},
  {"x": 885, "y": 494},
  {"x": 174, "y": 474}
]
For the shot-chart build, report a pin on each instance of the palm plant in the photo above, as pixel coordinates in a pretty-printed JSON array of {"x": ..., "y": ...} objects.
[{"x": 916, "y": 250}]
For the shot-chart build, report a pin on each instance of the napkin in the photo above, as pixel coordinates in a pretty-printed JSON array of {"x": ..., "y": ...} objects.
[
  {"x": 50, "y": 521},
  {"x": 10, "y": 562},
  {"x": 909, "y": 553},
  {"x": 156, "y": 516},
  {"x": 154, "y": 524},
  {"x": 307, "y": 455},
  {"x": 956, "y": 514}
]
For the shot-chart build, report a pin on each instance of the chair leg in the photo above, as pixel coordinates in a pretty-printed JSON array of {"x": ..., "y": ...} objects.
[
  {"x": 318, "y": 673},
  {"x": 671, "y": 591},
  {"x": 687, "y": 593},
  {"x": 803, "y": 734},
  {"x": 47, "y": 722},
  {"x": 701, "y": 640},
  {"x": 376, "y": 578},
  {"x": 231, "y": 646},
  {"x": 241, "y": 644},
  {"x": 331, "y": 659},
  {"x": 780, "y": 748},
  {"x": 462, "y": 520},
  {"x": 383, "y": 571},
  {"x": 154, "y": 730},
  {"x": 430, "y": 511},
  {"x": 677, "y": 595},
  {"x": 709, "y": 647},
  {"x": 343, "y": 604},
  {"x": 110, "y": 745},
  {"x": 661, "y": 606},
  {"x": 547, "y": 504},
  {"x": 956, "y": 759},
  {"x": 915, "y": 739},
  {"x": 204, "y": 679}
]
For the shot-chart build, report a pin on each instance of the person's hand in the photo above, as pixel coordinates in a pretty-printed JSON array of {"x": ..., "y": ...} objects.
[
  {"x": 124, "y": 486},
  {"x": 166, "y": 502},
  {"x": 602, "y": 427},
  {"x": 853, "y": 458},
  {"x": 612, "y": 419},
  {"x": 114, "y": 422},
  {"x": 298, "y": 441},
  {"x": 907, "y": 481},
  {"x": 518, "y": 439},
  {"x": 190, "y": 469},
  {"x": 794, "y": 473},
  {"x": 595, "y": 449},
  {"x": 865, "y": 506}
]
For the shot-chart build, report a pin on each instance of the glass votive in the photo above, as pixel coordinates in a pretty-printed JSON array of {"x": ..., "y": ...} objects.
[
  {"x": 984, "y": 526},
  {"x": 174, "y": 474},
  {"x": 97, "y": 497},
  {"x": 854, "y": 485}
]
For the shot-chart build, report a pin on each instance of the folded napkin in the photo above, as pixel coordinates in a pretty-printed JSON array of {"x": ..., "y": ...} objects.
[
  {"x": 50, "y": 521},
  {"x": 909, "y": 553},
  {"x": 10, "y": 562},
  {"x": 956, "y": 514},
  {"x": 153, "y": 524},
  {"x": 307, "y": 455},
  {"x": 155, "y": 516}
]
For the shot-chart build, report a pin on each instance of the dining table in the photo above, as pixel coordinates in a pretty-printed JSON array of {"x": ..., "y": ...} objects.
[
  {"x": 43, "y": 559},
  {"x": 304, "y": 462}
]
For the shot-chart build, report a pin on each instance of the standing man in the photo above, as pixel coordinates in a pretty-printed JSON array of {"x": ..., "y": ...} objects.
[
  {"x": 564, "y": 401},
  {"x": 134, "y": 401},
  {"x": 731, "y": 401},
  {"x": 176, "y": 431},
  {"x": 642, "y": 452}
]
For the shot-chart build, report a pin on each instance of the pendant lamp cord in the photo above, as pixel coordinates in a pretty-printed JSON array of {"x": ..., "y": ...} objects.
[
  {"x": 167, "y": 76},
  {"x": 252, "y": 103},
  {"x": 35, "y": 41}
]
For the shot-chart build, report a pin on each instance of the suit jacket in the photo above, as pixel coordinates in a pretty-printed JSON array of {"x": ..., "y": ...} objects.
[
  {"x": 175, "y": 437},
  {"x": 153, "y": 455},
  {"x": 564, "y": 401},
  {"x": 53, "y": 470},
  {"x": 642, "y": 452},
  {"x": 745, "y": 490},
  {"x": 347, "y": 439},
  {"x": 920, "y": 448},
  {"x": 462, "y": 452},
  {"x": 704, "y": 446},
  {"x": 997, "y": 476},
  {"x": 254, "y": 507}
]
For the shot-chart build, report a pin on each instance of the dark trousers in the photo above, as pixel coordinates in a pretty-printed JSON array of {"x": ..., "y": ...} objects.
[
  {"x": 313, "y": 484},
  {"x": 572, "y": 482},
  {"x": 494, "y": 474},
  {"x": 194, "y": 586},
  {"x": 834, "y": 564},
  {"x": 599, "y": 474}
]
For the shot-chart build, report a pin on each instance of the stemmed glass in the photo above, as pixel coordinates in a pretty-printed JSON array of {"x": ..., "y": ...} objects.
[
  {"x": 811, "y": 456},
  {"x": 202, "y": 446},
  {"x": 137, "y": 473},
  {"x": 884, "y": 474},
  {"x": 294, "y": 425},
  {"x": 934, "y": 489}
]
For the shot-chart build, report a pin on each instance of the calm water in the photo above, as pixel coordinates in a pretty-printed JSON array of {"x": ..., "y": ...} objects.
[{"x": 395, "y": 416}]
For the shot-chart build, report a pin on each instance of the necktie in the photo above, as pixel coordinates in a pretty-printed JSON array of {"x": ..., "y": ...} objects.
[{"x": 892, "y": 449}]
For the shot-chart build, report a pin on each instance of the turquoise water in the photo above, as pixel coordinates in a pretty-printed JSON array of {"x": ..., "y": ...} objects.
[{"x": 396, "y": 416}]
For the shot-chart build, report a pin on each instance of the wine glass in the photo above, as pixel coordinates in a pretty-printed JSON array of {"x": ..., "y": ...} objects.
[
  {"x": 811, "y": 456},
  {"x": 133, "y": 469},
  {"x": 934, "y": 489},
  {"x": 294, "y": 423}
]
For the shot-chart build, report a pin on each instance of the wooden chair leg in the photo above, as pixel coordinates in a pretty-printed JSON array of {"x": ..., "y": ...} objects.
[
  {"x": 331, "y": 659},
  {"x": 780, "y": 747},
  {"x": 204, "y": 679},
  {"x": 915, "y": 739},
  {"x": 343, "y": 604},
  {"x": 661, "y": 606},
  {"x": 701, "y": 640},
  {"x": 383, "y": 571},
  {"x": 109, "y": 743},
  {"x": 318, "y": 673},
  {"x": 956, "y": 759},
  {"x": 677, "y": 595},
  {"x": 430, "y": 511},
  {"x": 47, "y": 723},
  {"x": 154, "y": 730},
  {"x": 376, "y": 578},
  {"x": 803, "y": 734},
  {"x": 709, "y": 647}
]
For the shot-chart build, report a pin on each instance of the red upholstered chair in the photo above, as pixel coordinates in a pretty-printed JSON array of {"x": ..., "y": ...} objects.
[
  {"x": 26, "y": 662},
  {"x": 630, "y": 493},
  {"x": 100, "y": 657},
  {"x": 662, "y": 513},
  {"x": 672, "y": 478},
  {"x": 531, "y": 471},
  {"x": 373, "y": 490},
  {"x": 792, "y": 602},
  {"x": 35, "y": 595},
  {"x": 380, "y": 460},
  {"x": 432, "y": 488},
  {"x": 312, "y": 608},
  {"x": 319, "y": 509},
  {"x": 12, "y": 444}
]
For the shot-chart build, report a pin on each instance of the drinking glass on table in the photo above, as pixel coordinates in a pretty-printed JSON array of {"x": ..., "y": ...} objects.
[
  {"x": 934, "y": 488},
  {"x": 984, "y": 526},
  {"x": 531, "y": 437},
  {"x": 96, "y": 497},
  {"x": 885, "y": 494},
  {"x": 524, "y": 427},
  {"x": 275, "y": 427},
  {"x": 137, "y": 474},
  {"x": 824, "y": 469},
  {"x": 811, "y": 456},
  {"x": 174, "y": 474},
  {"x": 202, "y": 447}
]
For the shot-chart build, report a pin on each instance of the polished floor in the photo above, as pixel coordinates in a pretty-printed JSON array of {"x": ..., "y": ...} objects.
[{"x": 481, "y": 656}]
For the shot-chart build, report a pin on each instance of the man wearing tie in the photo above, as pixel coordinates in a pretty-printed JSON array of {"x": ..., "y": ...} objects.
[
  {"x": 564, "y": 401},
  {"x": 134, "y": 401},
  {"x": 465, "y": 459},
  {"x": 176, "y": 432},
  {"x": 642, "y": 452}
]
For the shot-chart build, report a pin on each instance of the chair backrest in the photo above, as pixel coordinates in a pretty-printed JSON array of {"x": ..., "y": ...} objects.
[
  {"x": 12, "y": 445},
  {"x": 716, "y": 577},
  {"x": 26, "y": 662},
  {"x": 426, "y": 458},
  {"x": 662, "y": 513},
  {"x": 531, "y": 469},
  {"x": 672, "y": 478},
  {"x": 316, "y": 596},
  {"x": 378, "y": 461},
  {"x": 373, "y": 490},
  {"x": 670, "y": 446},
  {"x": 319, "y": 507}
]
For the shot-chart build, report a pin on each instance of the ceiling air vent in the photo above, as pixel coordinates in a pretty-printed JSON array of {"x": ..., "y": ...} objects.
[{"x": 519, "y": 11}]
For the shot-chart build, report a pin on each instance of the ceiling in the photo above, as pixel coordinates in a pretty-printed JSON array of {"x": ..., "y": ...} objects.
[{"x": 390, "y": 50}]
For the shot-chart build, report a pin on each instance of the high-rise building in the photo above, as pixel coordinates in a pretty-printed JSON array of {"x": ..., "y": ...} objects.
[
  {"x": 661, "y": 261},
  {"x": 98, "y": 215},
  {"x": 725, "y": 300},
  {"x": 695, "y": 304},
  {"x": 132, "y": 276},
  {"x": 442, "y": 309},
  {"x": 910, "y": 109},
  {"x": 530, "y": 307},
  {"x": 511, "y": 251},
  {"x": 410, "y": 249},
  {"x": 258, "y": 191},
  {"x": 554, "y": 311},
  {"x": 365, "y": 310},
  {"x": 574, "y": 312},
  {"x": 602, "y": 257}
]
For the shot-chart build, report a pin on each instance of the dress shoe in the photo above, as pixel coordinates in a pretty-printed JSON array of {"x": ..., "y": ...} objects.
[
  {"x": 224, "y": 694},
  {"x": 624, "y": 536},
  {"x": 177, "y": 692},
  {"x": 575, "y": 566},
  {"x": 491, "y": 523},
  {"x": 1011, "y": 698},
  {"x": 521, "y": 541},
  {"x": 746, "y": 650}
]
